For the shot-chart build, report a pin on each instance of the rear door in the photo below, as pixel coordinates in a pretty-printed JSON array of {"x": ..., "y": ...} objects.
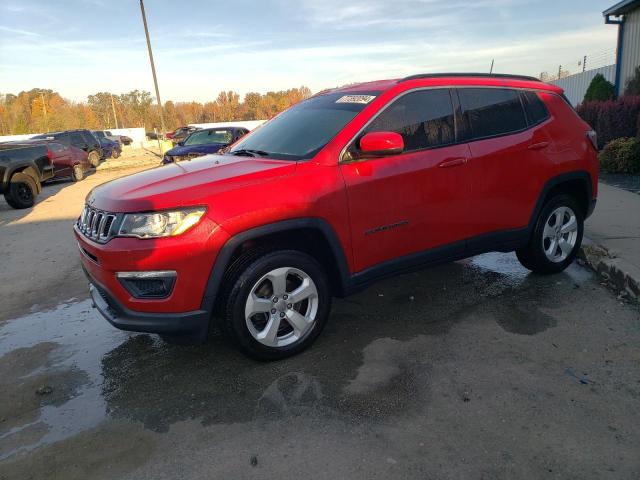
[
  {"x": 414, "y": 201},
  {"x": 61, "y": 158},
  {"x": 508, "y": 157}
]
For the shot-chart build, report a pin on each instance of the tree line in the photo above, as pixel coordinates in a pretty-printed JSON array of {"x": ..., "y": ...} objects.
[{"x": 42, "y": 110}]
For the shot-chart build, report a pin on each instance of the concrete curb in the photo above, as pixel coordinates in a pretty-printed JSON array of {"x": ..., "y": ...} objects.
[{"x": 619, "y": 275}]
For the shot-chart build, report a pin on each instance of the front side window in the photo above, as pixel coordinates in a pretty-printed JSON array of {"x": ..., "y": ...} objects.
[
  {"x": 89, "y": 138},
  {"x": 203, "y": 137},
  {"x": 301, "y": 131},
  {"x": 99, "y": 134},
  {"x": 492, "y": 111},
  {"x": 424, "y": 119}
]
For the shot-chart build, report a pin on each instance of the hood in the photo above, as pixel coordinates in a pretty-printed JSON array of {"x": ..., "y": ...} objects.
[
  {"x": 187, "y": 149},
  {"x": 185, "y": 183}
]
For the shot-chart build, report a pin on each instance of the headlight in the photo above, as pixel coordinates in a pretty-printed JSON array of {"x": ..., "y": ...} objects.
[{"x": 160, "y": 224}]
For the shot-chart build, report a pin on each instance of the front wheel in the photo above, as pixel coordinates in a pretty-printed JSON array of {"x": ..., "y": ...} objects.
[
  {"x": 556, "y": 237},
  {"x": 277, "y": 303},
  {"x": 94, "y": 158},
  {"x": 77, "y": 173}
]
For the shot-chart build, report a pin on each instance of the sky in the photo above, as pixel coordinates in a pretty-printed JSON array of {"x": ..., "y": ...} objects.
[{"x": 80, "y": 47}]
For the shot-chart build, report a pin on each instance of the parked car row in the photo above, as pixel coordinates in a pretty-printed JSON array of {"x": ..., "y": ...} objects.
[{"x": 26, "y": 164}]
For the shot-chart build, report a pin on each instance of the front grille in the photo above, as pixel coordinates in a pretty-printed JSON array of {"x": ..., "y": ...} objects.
[{"x": 96, "y": 224}]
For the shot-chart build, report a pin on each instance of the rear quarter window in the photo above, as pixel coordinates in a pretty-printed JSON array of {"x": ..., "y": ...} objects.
[
  {"x": 534, "y": 107},
  {"x": 492, "y": 111}
]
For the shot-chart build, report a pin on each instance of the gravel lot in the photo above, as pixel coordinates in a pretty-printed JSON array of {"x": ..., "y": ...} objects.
[{"x": 471, "y": 370}]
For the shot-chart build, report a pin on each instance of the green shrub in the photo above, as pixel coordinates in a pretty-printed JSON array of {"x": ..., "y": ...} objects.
[
  {"x": 600, "y": 89},
  {"x": 621, "y": 155},
  {"x": 633, "y": 84}
]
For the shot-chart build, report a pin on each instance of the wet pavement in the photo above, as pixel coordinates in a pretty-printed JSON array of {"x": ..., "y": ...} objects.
[{"x": 475, "y": 369}]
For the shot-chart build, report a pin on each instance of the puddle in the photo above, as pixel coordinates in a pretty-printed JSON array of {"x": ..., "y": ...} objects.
[{"x": 76, "y": 338}]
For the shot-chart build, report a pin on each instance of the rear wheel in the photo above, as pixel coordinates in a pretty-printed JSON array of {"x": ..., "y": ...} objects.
[
  {"x": 77, "y": 173},
  {"x": 277, "y": 303},
  {"x": 22, "y": 191},
  {"x": 556, "y": 237},
  {"x": 94, "y": 158}
]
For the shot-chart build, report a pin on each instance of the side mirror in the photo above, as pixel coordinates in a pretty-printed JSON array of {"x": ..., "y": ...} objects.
[{"x": 381, "y": 144}]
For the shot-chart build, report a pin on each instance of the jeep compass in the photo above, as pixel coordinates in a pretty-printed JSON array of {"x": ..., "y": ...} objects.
[{"x": 346, "y": 187}]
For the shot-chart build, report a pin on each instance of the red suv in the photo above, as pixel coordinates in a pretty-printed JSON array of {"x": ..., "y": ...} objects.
[{"x": 344, "y": 188}]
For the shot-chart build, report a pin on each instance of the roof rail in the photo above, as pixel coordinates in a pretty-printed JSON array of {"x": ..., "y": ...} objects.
[{"x": 467, "y": 74}]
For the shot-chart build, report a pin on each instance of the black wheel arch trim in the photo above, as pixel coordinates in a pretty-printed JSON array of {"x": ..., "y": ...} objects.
[
  {"x": 581, "y": 175},
  {"x": 225, "y": 254}
]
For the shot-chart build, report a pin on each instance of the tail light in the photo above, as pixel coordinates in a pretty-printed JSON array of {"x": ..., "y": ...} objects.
[
  {"x": 49, "y": 155},
  {"x": 593, "y": 136}
]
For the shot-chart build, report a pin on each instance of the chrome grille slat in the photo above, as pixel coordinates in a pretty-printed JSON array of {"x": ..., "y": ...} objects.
[{"x": 96, "y": 224}]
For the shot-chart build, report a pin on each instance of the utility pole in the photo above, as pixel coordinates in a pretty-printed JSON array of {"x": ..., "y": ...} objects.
[
  {"x": 559, "y": 68},
  {"x": 113, "y": 107},
  {"x": 153, "y": 71},
  {"x": 584, "y": 63},
  {"x": 491, "y": 69},
  {"x": 44, "y": 110}
]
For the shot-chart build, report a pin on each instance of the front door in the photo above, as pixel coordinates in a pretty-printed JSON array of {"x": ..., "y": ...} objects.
[{"x": 418, "y": 199}]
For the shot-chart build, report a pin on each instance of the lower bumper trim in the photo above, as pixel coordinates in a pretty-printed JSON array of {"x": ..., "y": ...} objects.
[{"x": 189, "y": 326}]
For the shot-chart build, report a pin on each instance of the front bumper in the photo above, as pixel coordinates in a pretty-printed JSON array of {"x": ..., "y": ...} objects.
[{"x": 190, "y": 326}]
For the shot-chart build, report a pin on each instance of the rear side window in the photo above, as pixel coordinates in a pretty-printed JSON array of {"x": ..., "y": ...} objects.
[
  {"x": 534, "y": 107},
  {"x": 76, "y": 139},
  {"x": 64, "y": 138},
  {"x": 492, "y": 111},
  {"x": 423, "y": 118},
  {"x": 57, "y": 147}
]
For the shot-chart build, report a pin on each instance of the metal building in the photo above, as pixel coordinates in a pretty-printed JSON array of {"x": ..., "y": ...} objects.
[{"x": 625, "y": 14}]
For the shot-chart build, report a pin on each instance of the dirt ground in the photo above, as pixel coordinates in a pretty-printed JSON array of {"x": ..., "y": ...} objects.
[
  {"x": 39, "y": 260},
  {"x": 472, "y": 370}
]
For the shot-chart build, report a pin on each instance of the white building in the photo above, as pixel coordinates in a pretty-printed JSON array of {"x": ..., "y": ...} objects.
[{"x": 625, "y": 14}]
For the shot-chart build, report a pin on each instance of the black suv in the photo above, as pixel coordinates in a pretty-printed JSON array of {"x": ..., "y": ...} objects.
[{"x": 79, "y": 138}]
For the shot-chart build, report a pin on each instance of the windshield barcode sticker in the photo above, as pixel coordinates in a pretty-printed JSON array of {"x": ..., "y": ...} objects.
[{"x": 364, "y": 99}]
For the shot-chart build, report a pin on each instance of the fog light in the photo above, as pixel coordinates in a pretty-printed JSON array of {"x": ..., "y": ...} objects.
[{"x": 148, "y": 284}]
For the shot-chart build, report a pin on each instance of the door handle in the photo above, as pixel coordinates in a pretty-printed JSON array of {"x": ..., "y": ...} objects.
[
  {"x": 452, "y": 162},
  {"x": 538, "y": 146}
]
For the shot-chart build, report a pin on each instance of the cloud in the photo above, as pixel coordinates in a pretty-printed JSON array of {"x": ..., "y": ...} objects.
[{"x": 18, "y": 31}]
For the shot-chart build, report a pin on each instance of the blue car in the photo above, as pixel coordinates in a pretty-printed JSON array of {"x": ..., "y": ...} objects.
[
  {"x": 110, "y": 149},
  {"x": 202, "y": 142}
]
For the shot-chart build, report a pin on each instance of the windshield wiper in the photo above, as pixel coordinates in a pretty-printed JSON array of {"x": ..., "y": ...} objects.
[{"x": 249, "y": 153}]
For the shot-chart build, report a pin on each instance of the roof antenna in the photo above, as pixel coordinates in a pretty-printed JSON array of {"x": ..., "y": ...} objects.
[{"x": 491, "y": 69}]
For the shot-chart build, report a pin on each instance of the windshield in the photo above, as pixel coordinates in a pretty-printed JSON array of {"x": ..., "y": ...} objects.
[
  {"x": 99, "y": 133},
  {"x": 301, "y": 131},
  {"x": 204, "y": 137}
]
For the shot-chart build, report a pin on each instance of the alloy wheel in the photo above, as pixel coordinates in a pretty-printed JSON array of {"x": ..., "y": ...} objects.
[
  {"x": 560, "y": 234},
  {"x": 281, "y": 307}
]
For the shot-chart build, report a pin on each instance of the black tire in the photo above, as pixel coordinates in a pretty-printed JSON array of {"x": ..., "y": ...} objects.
[
  {"x": 22, "y": 191},
  {"x": 77, "y": 173},
  {"x": 240, "y": 279},
  {"x": 94, "y": 158},
  {"x": 533, "y": 256}
]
